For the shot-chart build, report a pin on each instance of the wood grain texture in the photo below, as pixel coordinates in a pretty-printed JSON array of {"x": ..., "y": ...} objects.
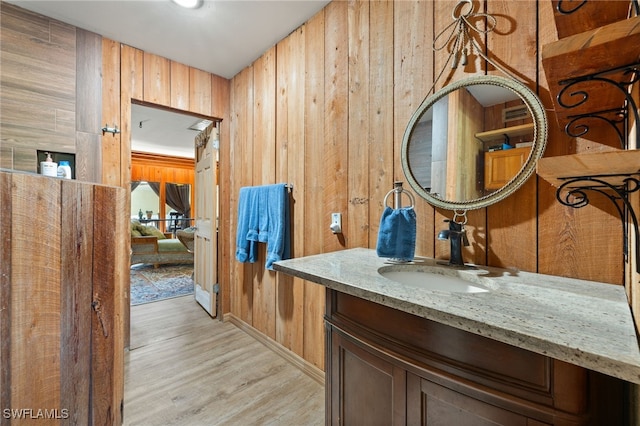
[
  {"x": 89, "y": 90},
  {"x": 314, "y": 215},
  {"x": 35, "y": 292},
  {"x": 381, "y": 131},
  {"x": 131, "y": 87},
  {"x": 111, "y": 116},
  {"x": 413, "y": 77},
  {"x": 242, "y": 159},
  {"x": 185, "y": 368},
  {"x": 264, "y": 173},
  {"x": 589, "y": 15},
  {"x": 199, "y": 91},
  {"x": 220, "y": 101},
  {"x": 38, "y": 108},
  {"x": 164, "y": 169},
  {"x": 356, "y": 218},
  {"x": 515, "y": 21},
  {"x": 157, "y": 79},
  {"x": 335, "y": 175},
  {"x": 289, "y": 168},
  {"x": 76, "y": 264},
  {"x": 180, "y": 85},
  {"x": 5, "y": 292},
  {"x": 110, "y": 276},
  {"x": 48, "y": 356}
]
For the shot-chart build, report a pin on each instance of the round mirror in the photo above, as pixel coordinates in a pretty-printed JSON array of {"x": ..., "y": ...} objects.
[{"x": 474, "y": 142}]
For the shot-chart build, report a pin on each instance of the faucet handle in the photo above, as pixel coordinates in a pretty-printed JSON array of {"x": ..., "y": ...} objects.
[{"x": 465, "y": 240}]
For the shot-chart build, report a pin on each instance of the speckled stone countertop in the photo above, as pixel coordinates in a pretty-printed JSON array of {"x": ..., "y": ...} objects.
[{"x": 581, "y": 322}]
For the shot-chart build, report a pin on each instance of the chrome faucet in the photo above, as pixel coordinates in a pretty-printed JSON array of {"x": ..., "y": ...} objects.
[{"x": 457, "y": 237}]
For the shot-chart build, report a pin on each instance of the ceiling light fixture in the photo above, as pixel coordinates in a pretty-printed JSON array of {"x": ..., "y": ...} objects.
[
  {"x": 189, "y": 4},
  {"x": 200, "y": 125}
]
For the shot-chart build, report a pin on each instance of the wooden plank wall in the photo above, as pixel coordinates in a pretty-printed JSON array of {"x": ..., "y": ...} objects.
[
  {"x": 61, "y": 327},
  {"x": 325, "y": 110},
  {"x": 47, "y": 107},
  {"x": 340, "y": 91}
]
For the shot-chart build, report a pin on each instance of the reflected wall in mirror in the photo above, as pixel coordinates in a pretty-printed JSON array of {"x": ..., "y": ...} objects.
[
  {"x": 145, "y": 200},
  {"x": 474, "y": 142}
]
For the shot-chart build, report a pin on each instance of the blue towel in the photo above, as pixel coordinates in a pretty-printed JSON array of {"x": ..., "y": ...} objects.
[
  {"x": 263, "y": 217},
  {"x": 397, "y": 234}
]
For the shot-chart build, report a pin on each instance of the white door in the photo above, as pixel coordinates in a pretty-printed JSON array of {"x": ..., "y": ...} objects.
[{"x": 206, "y": 235}]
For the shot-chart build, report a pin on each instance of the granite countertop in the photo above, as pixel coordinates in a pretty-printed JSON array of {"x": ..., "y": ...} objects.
[{"x": 581, "y": 322}]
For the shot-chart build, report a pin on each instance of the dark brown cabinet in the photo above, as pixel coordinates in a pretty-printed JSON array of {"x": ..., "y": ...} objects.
[
  {"x": 387, "y": 367},
  {"x": 369, "y": 389}
]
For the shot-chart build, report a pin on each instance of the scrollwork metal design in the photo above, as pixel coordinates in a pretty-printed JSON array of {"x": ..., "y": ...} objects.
[
  {"x": 571, "y": 96},
  {"x": 575, "y": 192},
  {"x": 560, "y": 8},
  {"x": 577, "y": 125}
]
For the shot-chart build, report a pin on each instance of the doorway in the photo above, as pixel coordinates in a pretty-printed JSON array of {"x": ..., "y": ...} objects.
[{"x": 166, "y": 137}]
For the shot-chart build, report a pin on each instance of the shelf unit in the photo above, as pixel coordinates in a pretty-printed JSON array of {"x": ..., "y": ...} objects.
[
  {"x": 510, "y": 132},
  {"x": 590, "y": 75}
]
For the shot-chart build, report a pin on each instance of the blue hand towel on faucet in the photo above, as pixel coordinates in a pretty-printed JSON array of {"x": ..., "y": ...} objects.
[
  {"x": 263, "y": 217},
  {"x": 397, "y": 233}
]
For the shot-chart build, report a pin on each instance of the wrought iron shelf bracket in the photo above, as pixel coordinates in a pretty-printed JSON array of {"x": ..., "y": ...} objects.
[
  {"x": 573, "y": 192},
  {"x": 573, "y": 7},
  {"x": 622, "y": 78}
]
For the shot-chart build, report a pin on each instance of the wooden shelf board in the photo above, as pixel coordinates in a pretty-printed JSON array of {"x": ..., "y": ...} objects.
[
  {"x": 498, "y": 134},
  {"x": 591, "y": 51},
  {"x": 623, "y": 162},
  {"x": 591, "y": 14},
  {"x": 588, "y": 53}
]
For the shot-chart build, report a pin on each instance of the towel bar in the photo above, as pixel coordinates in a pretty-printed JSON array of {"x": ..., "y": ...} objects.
[{"x": 398, "y": 191}]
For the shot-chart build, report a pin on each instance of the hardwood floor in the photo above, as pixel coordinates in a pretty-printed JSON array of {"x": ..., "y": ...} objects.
[{"x": 188, "y": 369}]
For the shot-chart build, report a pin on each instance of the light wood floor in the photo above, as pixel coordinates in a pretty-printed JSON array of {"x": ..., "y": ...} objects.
[{"x": 185, "y": 368}]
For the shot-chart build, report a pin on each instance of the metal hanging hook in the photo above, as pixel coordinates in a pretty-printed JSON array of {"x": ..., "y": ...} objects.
[{"x": 460, "y": 217}]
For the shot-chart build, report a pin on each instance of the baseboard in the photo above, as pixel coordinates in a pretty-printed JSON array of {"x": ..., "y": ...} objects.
[{"x": 294, "y": 359}]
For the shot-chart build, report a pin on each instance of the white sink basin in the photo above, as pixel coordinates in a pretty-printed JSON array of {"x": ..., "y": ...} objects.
[{"x": 431, "y": 278}]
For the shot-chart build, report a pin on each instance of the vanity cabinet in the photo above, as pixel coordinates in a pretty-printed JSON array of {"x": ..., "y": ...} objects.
[{"x": 389, "y": 367}]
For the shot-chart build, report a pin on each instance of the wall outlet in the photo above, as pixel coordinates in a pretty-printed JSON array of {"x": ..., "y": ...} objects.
[{"x": 336, "y": 223}]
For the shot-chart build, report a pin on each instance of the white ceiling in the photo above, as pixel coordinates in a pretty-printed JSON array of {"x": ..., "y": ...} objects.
[
  {"x": 221, "y": 37},
  {"x": 162, "y": 132}
]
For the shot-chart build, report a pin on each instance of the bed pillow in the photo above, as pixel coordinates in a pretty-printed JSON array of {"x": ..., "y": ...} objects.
[{"x": 151, "y": 231}]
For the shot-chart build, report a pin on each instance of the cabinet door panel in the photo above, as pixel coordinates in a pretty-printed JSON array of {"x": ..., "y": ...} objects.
[
  {"x": 365, "y": 388},
  {"x": 435, "y": 405}
]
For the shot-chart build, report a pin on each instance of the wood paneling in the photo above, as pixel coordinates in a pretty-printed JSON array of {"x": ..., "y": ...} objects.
[
  {"x": 61, "y": 297},
  {"x": 412, "y": 80},
  {"x": 314, "y": 217},
  {"x": 157, "y": 79},
  {"x": 199, "y": 91},
  {"x": 380, "y": 52},
  {"x": 264, "y": 286},
  {"x": 164, "y": 169},
  {"x": 38, "y": 79},
  {"x": 180, "y": 85},
  {"x": 356, "y": 219},
  {"x": 376, "y": 67},
  {"x": 110, "y": 142}
]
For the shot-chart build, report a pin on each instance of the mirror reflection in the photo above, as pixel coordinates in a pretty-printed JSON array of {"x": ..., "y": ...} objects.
[{"x": 473, "y": 141}]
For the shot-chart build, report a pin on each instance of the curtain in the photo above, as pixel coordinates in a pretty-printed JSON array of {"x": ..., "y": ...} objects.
[
  {"x": 177, "y": 197},
  {"x": 155, "y": 186}
]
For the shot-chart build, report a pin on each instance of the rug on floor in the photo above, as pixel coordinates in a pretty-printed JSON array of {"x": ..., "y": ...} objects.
[{"x": 149, "y": 284}]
